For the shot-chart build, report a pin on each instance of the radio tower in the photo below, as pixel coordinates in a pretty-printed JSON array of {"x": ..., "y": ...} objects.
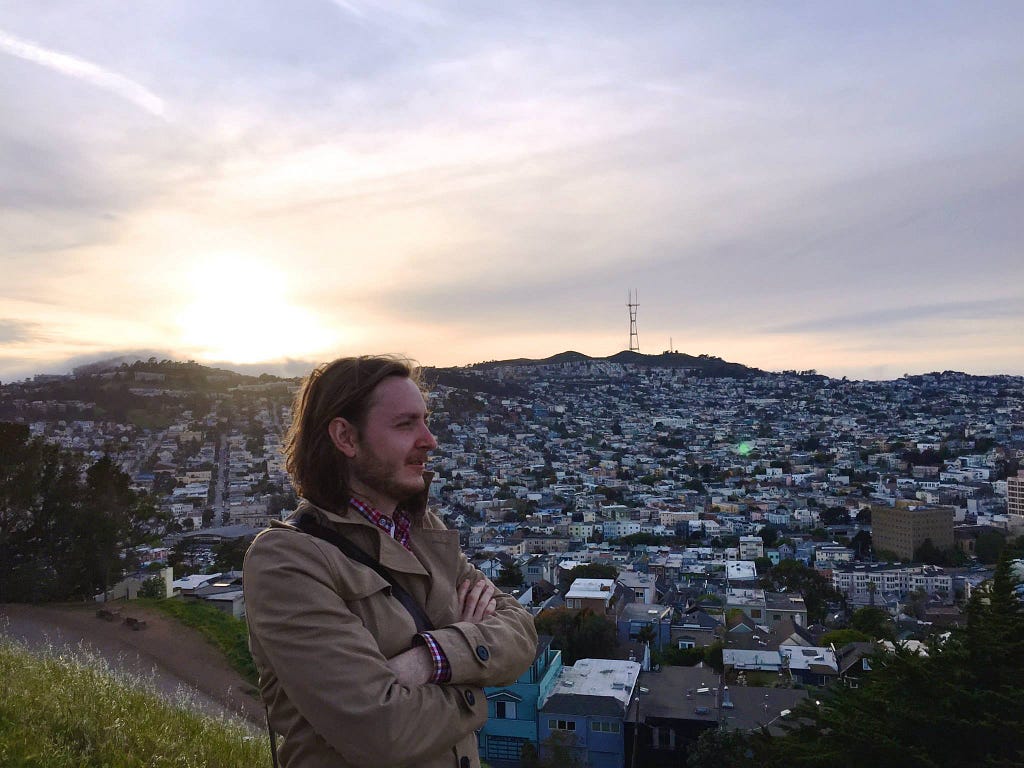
[{"x": 634, "y": 340}]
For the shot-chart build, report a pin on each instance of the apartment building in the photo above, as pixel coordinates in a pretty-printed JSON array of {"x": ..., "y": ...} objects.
[
  {"x": 853, "y": 578},
  {"x": 905, "y": 527}
]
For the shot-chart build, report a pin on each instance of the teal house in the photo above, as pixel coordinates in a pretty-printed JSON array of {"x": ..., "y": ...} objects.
[{"x": 512, "y": 709}]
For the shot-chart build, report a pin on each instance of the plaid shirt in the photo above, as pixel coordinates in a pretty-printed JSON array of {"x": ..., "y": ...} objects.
[{"x": 398, "y": 529}]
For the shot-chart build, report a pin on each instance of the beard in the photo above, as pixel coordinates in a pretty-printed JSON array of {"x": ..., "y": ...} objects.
[{"x": 387, "y": 479}]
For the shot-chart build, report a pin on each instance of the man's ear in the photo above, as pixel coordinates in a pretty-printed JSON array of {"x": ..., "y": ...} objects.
[{"x": 344, "y": 435}]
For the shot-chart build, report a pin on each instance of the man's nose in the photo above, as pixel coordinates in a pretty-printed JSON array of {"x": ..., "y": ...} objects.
[{"x": 427, "y": 439}]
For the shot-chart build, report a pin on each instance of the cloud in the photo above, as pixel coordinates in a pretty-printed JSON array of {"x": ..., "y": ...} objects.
[
  {"x": 405, "y": 11},
  {"x": 996, "y": 309},
  {"x": 17, "y": 331},
  {"x": 80, "y": 69}
]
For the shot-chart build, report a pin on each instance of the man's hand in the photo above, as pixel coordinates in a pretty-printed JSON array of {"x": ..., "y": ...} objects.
[
  {"x": 413, "y": 667},
  {"x": 477, "y": 600}
]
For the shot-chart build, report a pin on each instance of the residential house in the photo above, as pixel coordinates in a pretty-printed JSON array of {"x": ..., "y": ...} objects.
[
  {"x": 592, "y": 594},
  {"x": 587, "y": 708},
  {"x": 513, "y": 709}
]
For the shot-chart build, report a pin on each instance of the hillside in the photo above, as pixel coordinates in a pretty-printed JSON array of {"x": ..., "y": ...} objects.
[
  {"x": 168, "y": 654},
  {"x": 702, "y": 365},
  {"x": 73, "y": 710}
]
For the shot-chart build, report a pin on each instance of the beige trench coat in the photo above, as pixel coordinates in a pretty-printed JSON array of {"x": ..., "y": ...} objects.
[{"x": 322, "y": 626}]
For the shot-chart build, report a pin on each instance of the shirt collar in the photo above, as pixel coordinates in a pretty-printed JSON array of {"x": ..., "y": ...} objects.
[{"x": 415, "y": 506}]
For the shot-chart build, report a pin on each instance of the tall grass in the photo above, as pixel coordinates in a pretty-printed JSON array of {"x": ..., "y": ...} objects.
[
  {"x": 64, "y": 709},
  {"x": 226, "y": 632}
]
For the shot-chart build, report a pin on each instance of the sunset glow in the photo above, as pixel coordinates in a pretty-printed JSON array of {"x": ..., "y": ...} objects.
[{"x": 241, "y": 313}]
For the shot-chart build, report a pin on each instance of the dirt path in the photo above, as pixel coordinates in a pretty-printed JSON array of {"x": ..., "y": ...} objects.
[{"x": 172, "y": 655}]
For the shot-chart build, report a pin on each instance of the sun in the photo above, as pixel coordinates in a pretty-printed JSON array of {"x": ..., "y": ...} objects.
[{"x": 238, "y": 311}]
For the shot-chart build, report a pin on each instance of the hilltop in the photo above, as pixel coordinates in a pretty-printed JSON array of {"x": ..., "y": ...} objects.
[{"x": 702, "y": 365}]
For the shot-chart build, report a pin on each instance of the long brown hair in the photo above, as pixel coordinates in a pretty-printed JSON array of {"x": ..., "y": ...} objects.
[{"x": 341, "y": 388}]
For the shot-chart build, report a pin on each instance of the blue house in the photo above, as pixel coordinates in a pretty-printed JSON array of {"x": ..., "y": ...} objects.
[
  {"x": 587, "y": 709},
  {"x": 512, "y": 709}
]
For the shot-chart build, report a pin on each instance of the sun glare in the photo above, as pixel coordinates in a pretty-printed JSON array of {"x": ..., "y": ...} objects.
[{"x": 239, "y": 312}]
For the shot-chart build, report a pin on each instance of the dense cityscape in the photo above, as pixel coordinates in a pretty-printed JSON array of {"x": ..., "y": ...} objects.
[{"x": 706, "y": 547}]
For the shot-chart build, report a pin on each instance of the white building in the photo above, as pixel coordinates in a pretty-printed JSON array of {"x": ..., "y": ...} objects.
[{"x": 751, "y": 547}]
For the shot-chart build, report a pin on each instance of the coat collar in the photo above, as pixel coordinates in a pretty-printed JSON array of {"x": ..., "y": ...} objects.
[{"x": 389, "y": 552}]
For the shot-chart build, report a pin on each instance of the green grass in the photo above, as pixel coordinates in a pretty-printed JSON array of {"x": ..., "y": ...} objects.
[
  {"x": 62, "y": 709},
  {"x": 229, "y": 634}
]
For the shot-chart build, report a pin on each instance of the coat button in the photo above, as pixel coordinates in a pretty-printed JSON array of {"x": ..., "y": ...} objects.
[
  {"x": 470, "y": 698},
  {"x": 464, "y": 762},
  {"x": 482, "y": 653}
]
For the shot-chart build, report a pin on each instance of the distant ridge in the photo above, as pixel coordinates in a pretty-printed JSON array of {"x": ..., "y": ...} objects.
[{"x": 707, "y": 365}]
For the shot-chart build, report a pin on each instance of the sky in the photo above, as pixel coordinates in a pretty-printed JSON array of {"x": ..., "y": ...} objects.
[{"x": 267, "y": 185}]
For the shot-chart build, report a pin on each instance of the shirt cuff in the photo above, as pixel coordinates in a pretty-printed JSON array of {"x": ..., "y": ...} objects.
[{"x": 442, "y": 669}]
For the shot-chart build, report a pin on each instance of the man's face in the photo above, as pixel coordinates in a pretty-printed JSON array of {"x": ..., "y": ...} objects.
[{"x": 388, "y": 452}]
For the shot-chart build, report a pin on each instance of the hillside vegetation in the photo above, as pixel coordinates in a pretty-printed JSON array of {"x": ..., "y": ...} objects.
[
  {"x": 63, "y": 710},
  {"x": 227, "y": 633}
]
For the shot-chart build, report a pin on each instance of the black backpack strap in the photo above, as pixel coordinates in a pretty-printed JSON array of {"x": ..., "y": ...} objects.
[
  {"x": 273, "y": 737},
  {"x": 308, "y": 524}
]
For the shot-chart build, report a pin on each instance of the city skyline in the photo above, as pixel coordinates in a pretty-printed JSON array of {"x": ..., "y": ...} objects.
[{"x": 803, "y": 186}]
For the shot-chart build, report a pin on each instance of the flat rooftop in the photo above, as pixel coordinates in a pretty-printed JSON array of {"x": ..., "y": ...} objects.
[
  {"x": 591, "y": 589},
  {"x": 613, "y": 678}
]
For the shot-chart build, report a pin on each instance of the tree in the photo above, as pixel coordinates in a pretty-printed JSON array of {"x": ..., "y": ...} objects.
[
  {"x": 873, "y": 622},
  {"x": 929, "y": 553},
  {"x": 794, "y": 576},
  {"x": 843, "y": 637},
  {"x": 153, "y": 588},
  {"x": 528, "y": 757},
  {"x": 679, "y": 657},
  {"x": 511, "y": 576},
  {"x": 229, "y": 553},
  {"x": 717, "y": 747},
  {"x": 647, "y": 634},
  {"x": 988, "y": 545},
  {"x": 769, "y": 535},
  {"x": 861, "y": 544},
  {"x": 184, "y": 556},
  {"x": 834, "y": 516},
  {"x": 557, "y": 750},
  {"x": 62, "y": 535},
  {"x": 106, "y": 526},
  {"x": 962, "y": 704},
  {"x": 578, "y": 634}
]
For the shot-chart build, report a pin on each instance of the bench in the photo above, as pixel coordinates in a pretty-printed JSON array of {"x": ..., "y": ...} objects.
[{"x": 135, "y": 624}]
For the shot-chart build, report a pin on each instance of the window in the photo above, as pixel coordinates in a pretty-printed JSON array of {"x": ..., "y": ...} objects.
[
  {"x": 755, "y": 613},
  {"x": 562, "y": 725},
  {"x": 663, "y": 738},
  {"x": 505, "y": 710},
  {"x": 603, "y": 727},
  {"x": 686, "y": 642}
]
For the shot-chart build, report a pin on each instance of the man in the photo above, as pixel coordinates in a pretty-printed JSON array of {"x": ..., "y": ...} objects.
[{"x": 348, "y": 676}]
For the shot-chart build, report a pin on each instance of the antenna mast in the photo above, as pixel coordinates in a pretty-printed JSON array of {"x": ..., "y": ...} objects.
[{"x": 634, "y": 340}]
